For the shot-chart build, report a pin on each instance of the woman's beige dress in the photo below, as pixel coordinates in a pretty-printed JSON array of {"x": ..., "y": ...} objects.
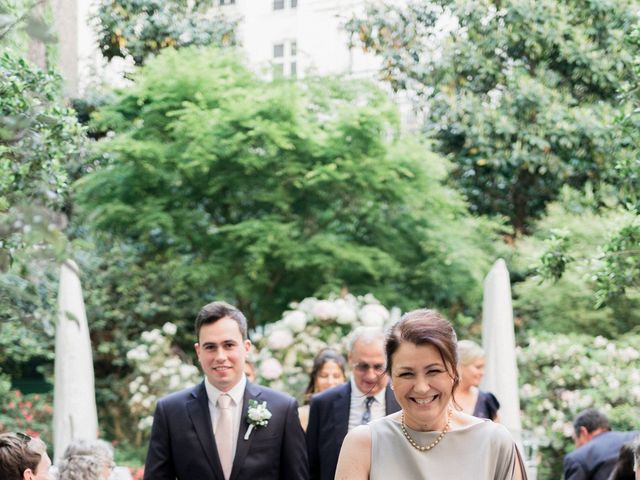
[{"x": 482, "y": 451}]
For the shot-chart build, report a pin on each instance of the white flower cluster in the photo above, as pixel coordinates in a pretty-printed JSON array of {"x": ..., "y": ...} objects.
[
  {"x": 258, "y": 413},
  {"x": 287, "y": 347},
  {"x": 560, "y": 375},
  {"x": 157, "y": 371}
]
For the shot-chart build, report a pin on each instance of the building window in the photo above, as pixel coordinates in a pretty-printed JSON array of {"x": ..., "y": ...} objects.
[
  {"x": 284, "y": 59},
  {"x": 282, "y": 4}
]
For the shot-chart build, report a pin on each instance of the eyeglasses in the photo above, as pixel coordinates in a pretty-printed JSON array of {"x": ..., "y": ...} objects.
[
  {"x": 24, "y": 437},
  {"x": 365, "y": 367}
]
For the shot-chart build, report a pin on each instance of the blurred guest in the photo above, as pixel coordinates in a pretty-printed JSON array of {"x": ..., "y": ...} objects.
[
  {"x": 364, "y": 398},
  {"x": 597, "y": 447},
  {"x": 623, "y": 469},
  {"x": 328, "y": 371},
  {"x": 474, "y": 401},
  {"x": 23, "y": 458},
  {"x": 249, "y": 370},
  {"x": 86, "y": 460}
]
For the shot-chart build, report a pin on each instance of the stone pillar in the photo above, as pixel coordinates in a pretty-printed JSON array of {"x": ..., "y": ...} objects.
[
  {"x": 37, "y": 52},
  {"x": 66, "y": 18}
]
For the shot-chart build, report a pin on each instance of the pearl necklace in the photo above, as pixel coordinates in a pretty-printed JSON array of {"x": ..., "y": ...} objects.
[{"x": 425, "y": 448}]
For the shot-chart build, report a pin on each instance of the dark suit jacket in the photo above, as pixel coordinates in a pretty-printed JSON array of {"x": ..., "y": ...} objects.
[
  {"x": 596, "y": 458},
  {"x": 328, "y": 425},
  {"x": 182, "y": 443}
]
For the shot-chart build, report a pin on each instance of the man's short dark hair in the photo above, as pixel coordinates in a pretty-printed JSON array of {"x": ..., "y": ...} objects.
[
  {"x": 591, "y": 419},
  {"x": 214, "y": 311},
  {"x": 16, "y": 456}
]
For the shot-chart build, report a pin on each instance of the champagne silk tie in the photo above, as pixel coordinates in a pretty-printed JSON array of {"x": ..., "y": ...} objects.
[{"x": 224, "y": 434}]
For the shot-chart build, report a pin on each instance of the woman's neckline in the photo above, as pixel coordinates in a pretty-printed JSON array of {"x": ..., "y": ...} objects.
[{"x": 455, "y": 426}]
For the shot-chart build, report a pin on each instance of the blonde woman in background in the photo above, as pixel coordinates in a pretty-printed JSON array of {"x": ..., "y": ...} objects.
[
  {"x": 328, "y": 371},
  {"x": 474, "y": 401}
]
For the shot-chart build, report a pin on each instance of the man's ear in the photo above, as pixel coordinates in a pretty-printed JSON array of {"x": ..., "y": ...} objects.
[
  {"x": 28, "y": 474},
  {"x": 196, "y": 347},
  {"x": 247, "y": 345}
]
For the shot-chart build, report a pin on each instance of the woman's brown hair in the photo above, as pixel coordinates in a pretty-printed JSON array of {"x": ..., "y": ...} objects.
[
  {"x": 16, "y": 456},
  {"x": 425, "y": 327},
  {"x": 324, "y": 356}
]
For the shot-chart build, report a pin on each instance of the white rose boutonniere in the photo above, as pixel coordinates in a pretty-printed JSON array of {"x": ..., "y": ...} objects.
[{"x": 258, "y": 415}]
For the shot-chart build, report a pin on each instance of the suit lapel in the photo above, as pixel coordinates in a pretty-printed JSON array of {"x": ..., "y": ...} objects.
[
  {"x": 390, "y": 403},
  {"x": 251, "y": 392},
  {"x": 198, "y": 408},
  {"x": 341, "y": 407}
]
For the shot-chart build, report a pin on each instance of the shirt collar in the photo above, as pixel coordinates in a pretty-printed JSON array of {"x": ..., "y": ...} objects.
[
  {"x": 236, "y": 393},
  {"x": 356, "y": 391}
]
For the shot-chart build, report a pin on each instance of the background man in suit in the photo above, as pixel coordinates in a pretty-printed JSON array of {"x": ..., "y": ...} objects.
[
  {"x": 204, "y": 432},
  {"x": 597, "y": 447},
  {"x": 365, "y": 397},
  {"x": 636, "y": 458}
]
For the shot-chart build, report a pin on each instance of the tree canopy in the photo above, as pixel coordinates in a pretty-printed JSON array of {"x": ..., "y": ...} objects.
[
  {"x": 264, "y": 193},
  {"x": 141, "y": 28},
  {"x": 522, "y": 96}
]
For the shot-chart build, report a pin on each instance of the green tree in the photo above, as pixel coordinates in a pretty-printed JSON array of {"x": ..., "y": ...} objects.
[
  {"x": 141, "y": 28},
  {"x": 23, "y": 21},
  {"x": 618, "y": 255},
  {"x": 567, "y": 304},
  {"x": 263, "y": 193},
  {"x": 41, "y": 145},
  {"x": 40, "y": 141},
  {"x": 520, "y": 95}
]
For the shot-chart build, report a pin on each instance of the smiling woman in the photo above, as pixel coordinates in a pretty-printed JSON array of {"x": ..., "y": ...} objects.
[{"x": 422, "y": 362}]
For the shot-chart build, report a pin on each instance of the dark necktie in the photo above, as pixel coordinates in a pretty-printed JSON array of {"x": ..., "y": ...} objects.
[{"x": 366, "y": 416}]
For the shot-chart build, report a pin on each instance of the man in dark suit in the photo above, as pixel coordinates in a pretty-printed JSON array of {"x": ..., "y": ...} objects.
[
  {"x": 597, "y": 447},
  {"x": 365, "y": 397},
  {"x": 222, "y": 429}
]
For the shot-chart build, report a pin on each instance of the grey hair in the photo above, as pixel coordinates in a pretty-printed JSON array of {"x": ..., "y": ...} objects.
[
  {"x": 85, "y": 460},
  {"x": 468, "y": 352},
  {"x": 366, "y": 335},
  {"x": 636, "y": 453}
]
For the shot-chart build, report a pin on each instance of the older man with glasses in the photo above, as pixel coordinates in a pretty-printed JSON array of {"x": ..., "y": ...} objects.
[{"x": 336, "y": 411}]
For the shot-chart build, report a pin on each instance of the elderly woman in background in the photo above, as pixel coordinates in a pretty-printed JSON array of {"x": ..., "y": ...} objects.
[
  {"x": 23, "y": 458},
  {"x": 328, "y": 371},
  {"x": 428, "y": 437},
  {"x": 471, "y": 399},
  {"x": 86, "y": 460}
]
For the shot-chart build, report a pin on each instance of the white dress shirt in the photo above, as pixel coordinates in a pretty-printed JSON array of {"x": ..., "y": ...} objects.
[
  {"x": 237, "y": 395},
  {"x": 357, "y": 407}
]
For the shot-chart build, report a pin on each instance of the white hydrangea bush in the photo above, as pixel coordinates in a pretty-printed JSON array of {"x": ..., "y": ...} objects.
[
  {"x": 157, "y": 371},
  {"x": 286, "y": 348},
  {"x": 560, "y": 375}
]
